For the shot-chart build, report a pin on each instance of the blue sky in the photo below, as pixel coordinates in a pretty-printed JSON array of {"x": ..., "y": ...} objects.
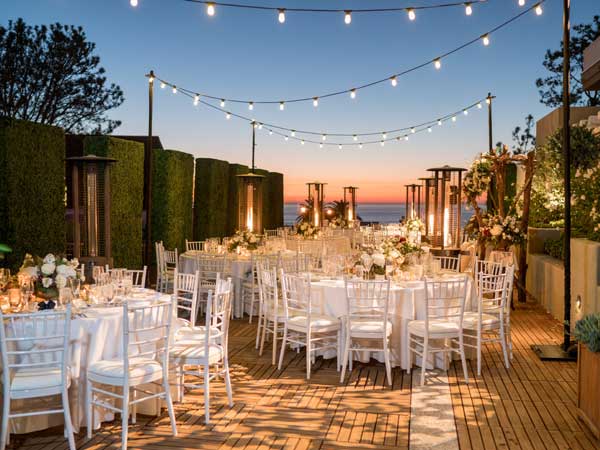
[{"x": 240, "y": 53}]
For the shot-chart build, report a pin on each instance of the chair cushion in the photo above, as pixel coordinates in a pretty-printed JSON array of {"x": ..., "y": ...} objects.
[
  {"x": 317, "y": 322},
  {"x": 28, "y": 380},
  {"x": 193, "y": 353},
  {"x": 141, "y": 370},
  {"x": 369, "y": 328},
  {"x": 471, "y": 319},
  {"x": 444, "y": 328}
]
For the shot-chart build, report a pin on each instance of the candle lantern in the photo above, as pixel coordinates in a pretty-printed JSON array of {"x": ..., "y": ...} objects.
[
  {"x": 250, "y": 187},
  {"x": 350, "y": 202},
  {"x": 316, "y": 191},
  {"x": 447, "y": 206},
  {"x": 413, "y": 201},
  {"x": 427, "y": 216},
  {"x": 91, "y": 208}
]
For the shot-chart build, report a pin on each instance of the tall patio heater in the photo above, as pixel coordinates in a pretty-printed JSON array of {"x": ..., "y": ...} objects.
[
  {"x": 427, "y": 215},
  {"x": 316, "y": 192},
  {"x": 350, "y": 201},
  {"x": 250, "y": 186},
  {"x": 91, "y": 209},
  {"x": 413, "y": 201},
  {"x": 447, "y": 207}
]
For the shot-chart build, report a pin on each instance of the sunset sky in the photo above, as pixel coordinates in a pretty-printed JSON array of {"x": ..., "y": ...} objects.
[{"x": 247, "y": 54}]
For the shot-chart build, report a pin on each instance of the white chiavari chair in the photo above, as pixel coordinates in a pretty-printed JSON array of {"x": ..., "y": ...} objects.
[
  {"x": 185, "y": 306},
  {"x": 210, "y": 269},
  {"x": 145, "y": 360},
  {"x": 35, "y": 354},
  {"x": 250, "y": 290},
  {"x": 489, "y": 323},
  {"x": 506, "y": 258},
  {"x": 167, "y": 263},
  {"x": 271, "y": 233},
  {"x": 270, "y": 311},
  {"x": 138, "y": 277},
  {"x": 444, "y": 312},
  {"x": 305, "y": 324},
  {"x": 210, "y": 352},
  {"x": 196, "y": 246},
  {"x": 367, "y": 321},
  {"x": 449, "y": 263}
]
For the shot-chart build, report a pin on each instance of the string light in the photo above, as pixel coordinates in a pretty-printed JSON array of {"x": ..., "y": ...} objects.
[
  {"x": 486, "y": 39},
  {"x": 347, "y": 17},
  {"x": 453, "y": 118},
  {"x": 340, "y": 146},
  {"x": 302, "y": 142},
  {"x": 281, "y": 16},
  {"x": 222, "y": 103},
  {"x": 353, "y": 93},
  {"x": 465, "y": 112},
  {"x": 324, "y": 137},
  {"x": 439, "y": 122},
  {"x": 150, "y": 79},
  {"x": 360, "y": 145},
  {"x": 406, "y": 137},
  {"x": 394, "y": 81},
  {"x": 437, "y": 62},
  {"x": 251, "y": 106},
  {"x": 293, "y": 133},
  {"x": 382, "y": 143},
  {"x": 196, "y": 100},
  {"x": 260, "y": 125},
  {"x": 355, "y": 138},
  {"x": 488, "y": 100},
  {"x": 412, "y": 130},
  {"x": 315, "y": 101},
  {"x": 411, "y": 14},
  {"x": 468, "y": 9},
  {"x": 174, "y": 89},
  {"x": 320, "y": 145},
  {"x": 286, "y": 138},
  {"x": 479, "y": 105},
  {"x": 210, "y": 9},
  {"x": 162, "y": 85},
  {"x": 228, "y": 116},
  {"x": 384, "y": 135},
  {"x": 254, "y": 125},
  {"x": 429, "y": 130},
  {"x": 521, "y": 2},
  {"x": 270, "y": 132},
  {"x": 281, "y": 106},
  {"x": 133, "y": 3},
  {"x": 538, "y": 9}
]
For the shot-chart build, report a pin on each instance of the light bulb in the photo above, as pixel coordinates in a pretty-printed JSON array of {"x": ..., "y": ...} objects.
[
  {"x": 293, "y": 133},
  {"x": 360, "y": 145},
  {"x": 453, "y": 118},
  {"x": 251, "y": 106},
  {"x": 254, "y": 125},
  {"x": 382, "y": 143},
  {"x": 398, "y": 138},
  {"x": 210, "y": 9},
  {"x": 412, "y": 130},
  {"x": 228, "y": 116},
  {"x": 468, "y": 9},
  {"x": 196, "y": 99},
  {"x": 150, "y": 79},
  {"x": 486, "y": 39},
  {"x": 281, "y": 106},
  {"x": 383, "y": 135},
  {"x": 286, "y": 138},
  {"x": 260, "y": 125},
  {"x": 355, "y": 137},
  {"x": 479, "y": 105},
  {"x": 270, "y": 132},
  {"x": 281, "y": 16},
  {"x": 348, "y": 17},
  {"x": 302, "y": 142},
  {"x": 162, "y": 85},
  {"x": 429, "y": 129},
  {"x": 465, "y": 112},
  {"x": 488, "y": 100},
  {"x": 222, "y": 103},
  {"x": 320, "y": 145},
  {"x": 394, "y": 81},
  {"x": 538, "y": 9},
  {"x": 133, "y": 3},
  {"x": 437, "y": 63},
  {"x": 324, "y": 137},
  {"x": 340, "y": 146},
  {"x": 174, "y": 89},
  {"x": 521, "y": 2},
  {"x": 411, "y": 14},
  {"x": 406, "y": 137},
  {"x": 315, "y": 101},
  {"x": 353, "y": 93},
  {"x": 439, "y": 122}
]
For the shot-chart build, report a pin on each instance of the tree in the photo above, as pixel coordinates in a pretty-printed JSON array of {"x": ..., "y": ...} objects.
[
  {"x": 550, "y": 88},
  {"x": 523, "y": 139},
  {"x": 51, "y": 75}
]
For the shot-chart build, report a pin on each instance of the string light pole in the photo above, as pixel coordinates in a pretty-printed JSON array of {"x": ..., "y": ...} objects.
[
  {"x": 148, "y": 174},
  {"x": 488, "y": 100}
]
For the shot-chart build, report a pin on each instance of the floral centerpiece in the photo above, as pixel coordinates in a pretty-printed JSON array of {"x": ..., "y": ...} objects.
[
  {"x": 307, "y": 230},
  {"x": 49, "y": 274},
  {"x": 245, "y": 240},
  {"x": 338, "y": 222},
  {"x": 501, "y": 233}
]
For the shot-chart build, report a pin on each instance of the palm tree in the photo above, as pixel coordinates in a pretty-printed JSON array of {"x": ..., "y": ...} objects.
[{"x": 305, "y": 209}]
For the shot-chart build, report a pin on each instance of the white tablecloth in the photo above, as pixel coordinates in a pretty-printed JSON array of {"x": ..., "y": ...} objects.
[
  {"x": 95, "y": 337},
  {"x": 407, "y": 302}
]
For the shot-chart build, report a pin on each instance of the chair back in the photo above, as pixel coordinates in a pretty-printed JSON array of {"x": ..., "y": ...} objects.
[
  {"x": 138, "y": 277},
  {"x": 445, "y": 299},
  {"x": 35, "y": 341},
  {"x": 197, "y": 246},
  {"x": 185, "y": 298},
  {"x": 506, "y": 258},
  {"x": 448, "y": 262},
  {"x": 271, "y": 233},
  {"x": 160, "y": 256},
  {"x": 367, "y": 300},
  {"x": 493, "y": 289},
  {"x": 210, "y": 268},
  {"x": 268, "y": 288},
  {"x": 218, "y": 313},
  {"x": 289, "y": 262},
  {"x": 170, "y": 259},
  {"x": 296, "y": 296}
]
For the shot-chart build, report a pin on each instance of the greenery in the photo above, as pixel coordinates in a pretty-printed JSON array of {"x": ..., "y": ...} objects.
[
  {"x": 587, "y": 332},
  {"x": 550, "y": 88},
  {"x": 211, "y": 198},
  {"x": 127, "y": 191},
  {"x": 50, "y": 75},
  {"x": 172, "y": 184},
  {"x": 523, "y": 138},
  {"x": 554, "y": 248},
  {"x": 32, "y": 206}
]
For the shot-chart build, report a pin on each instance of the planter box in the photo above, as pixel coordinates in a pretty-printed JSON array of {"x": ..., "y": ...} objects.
[{"x": 588, "y": 389}]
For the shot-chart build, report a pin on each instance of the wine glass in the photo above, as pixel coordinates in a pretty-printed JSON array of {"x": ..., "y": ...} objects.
[
  {"x": 26, "y": 291},
  {"x": 75, "y": 285}
]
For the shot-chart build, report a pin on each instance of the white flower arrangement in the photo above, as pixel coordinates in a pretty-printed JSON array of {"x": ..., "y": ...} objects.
[
  {"x": 478, "y": 178},
  {"x": 307, "y": 230},
  {"x": 415, "y": 225},
  {"x": 338, "y": 222},
  {"x": 50, "y": 273},
  {"x": 245, "y": 240}
]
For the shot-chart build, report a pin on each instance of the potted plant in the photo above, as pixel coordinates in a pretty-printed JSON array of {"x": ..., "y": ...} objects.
[{"x": 587, "y": 333}]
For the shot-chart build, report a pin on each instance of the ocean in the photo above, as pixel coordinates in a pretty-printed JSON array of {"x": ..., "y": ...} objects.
[{"x": 368, "y": 212}]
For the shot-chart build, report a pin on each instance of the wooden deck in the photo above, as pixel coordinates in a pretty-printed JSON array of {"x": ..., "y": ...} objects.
[{"x": 530, "y": 406}]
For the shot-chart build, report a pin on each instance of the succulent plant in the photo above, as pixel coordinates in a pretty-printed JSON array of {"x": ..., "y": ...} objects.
[{"x": 587, "y": 331}]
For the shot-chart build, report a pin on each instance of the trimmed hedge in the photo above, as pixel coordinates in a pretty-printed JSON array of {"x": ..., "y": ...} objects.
[
  {"x": 275, "y": 200},
  {"x": 172, "y": 184},
  {"x": 127, "y": 190},
  {"x": 210, "y": 198},
  {"x": 32, "y": 173},
  {"x": 233, "y": 203}
]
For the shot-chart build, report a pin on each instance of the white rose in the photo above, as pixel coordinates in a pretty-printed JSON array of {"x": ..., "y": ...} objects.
[
  {"x": 49, "y": 259},
  {"x": 70, "y": 273},
  {"x": 48, "y": 268},
  {"x": 496, "y": 230},
  {"x": 61, "y": 281},
  {"x": 395, "y": 254},
  {"x": 61, "y": 269},
  {"x": 47, "y": 282},
  {"x": 74, "y": 262},
  {"x": 379, "y": 259}
]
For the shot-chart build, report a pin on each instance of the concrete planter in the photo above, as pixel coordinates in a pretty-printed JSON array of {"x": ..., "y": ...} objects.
[{"x": 588, "y": 389}]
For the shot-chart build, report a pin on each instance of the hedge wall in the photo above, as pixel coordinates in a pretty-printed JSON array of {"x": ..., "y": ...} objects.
[
  {"x": 32, "y": 192},
  {"x": 127, "y": 189},
  {"x": 172, "y": 184},
  {"x": 211, "y": 197},
  {"x": 275, "y": 199}
]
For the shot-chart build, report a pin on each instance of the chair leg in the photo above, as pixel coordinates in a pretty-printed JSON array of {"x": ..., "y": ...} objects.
[
  {"x": 339, "y": 350},
  {"x": 274, "y": 350},
  {"x": 68, "y": 421},
  {"x": 388, "y": 366},
  {"x": 424, "y": 359},
  {"x": 345, "y": 358},
  {"x": 89, "y": 410},
  {"x": 134, "y": 408},
  {"x": 125, "y": 418},
  {"x": 479, "y": 352},
  {"x": 228, "y": 382},
  {"x": 5, "y": 414},
  {"x": 206, "y": 394},
  {"x": 169, "y": 402},
  {"x": 282, "y": 352},
  {"x": 463, "y": 358},
  {"x": 251, "y": 303},
  {"x": 262, "y": 337},
  {"x": 504, "y": 345},
  {"x": 309, "y": 354}
]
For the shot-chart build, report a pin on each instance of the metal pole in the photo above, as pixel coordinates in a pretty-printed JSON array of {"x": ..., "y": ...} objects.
[
  {"x": 253, "y": 143},
  {"x": 148, "y": 174},
  {"x": 489, "y": 99},
  {"x": 567, "y": 168}
]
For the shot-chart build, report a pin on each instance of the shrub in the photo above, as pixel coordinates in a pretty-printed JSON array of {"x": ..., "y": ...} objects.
[
  {"x": 127, "y": 190},
  {"x": 32, "y": 196},
  {"x": 554, "y": 248},
  {"x": 587, "y": 332},
  {"x": 172, "y": 184},
  {"x": 211, "y": 198}
]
